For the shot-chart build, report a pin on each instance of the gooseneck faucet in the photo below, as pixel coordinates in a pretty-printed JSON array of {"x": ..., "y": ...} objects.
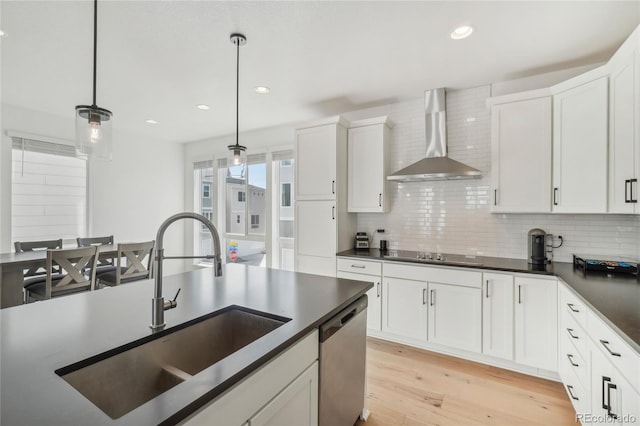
[{"x": 158, "y": 304}]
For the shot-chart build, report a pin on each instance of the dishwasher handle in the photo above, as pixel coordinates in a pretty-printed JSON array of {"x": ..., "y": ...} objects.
[{"x": 343, "y": 318}]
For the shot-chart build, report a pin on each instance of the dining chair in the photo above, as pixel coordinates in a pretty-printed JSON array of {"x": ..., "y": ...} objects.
[
  {"x": 36, "y": 274},
  {"x": 104, "y": 265},
  {"x": 139, "y": 258},
  {"x": 78, "y": 273}
]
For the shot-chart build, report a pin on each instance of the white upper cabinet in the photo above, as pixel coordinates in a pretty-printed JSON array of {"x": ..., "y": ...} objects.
[
  {"x": 624, "y": 127},
  {"x": 316, "y": 160},
  {"x": 580, "y": 133},
  {"x": 368, "y": 142},
  {"x": 521, "y": 153}
]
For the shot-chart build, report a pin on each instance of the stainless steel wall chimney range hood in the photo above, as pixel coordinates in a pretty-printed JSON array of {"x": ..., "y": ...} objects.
[{"x": 436, "y": 166}]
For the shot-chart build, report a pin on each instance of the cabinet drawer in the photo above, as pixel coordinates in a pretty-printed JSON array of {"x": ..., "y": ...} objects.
[
  {"x": 572, "y": 304},
  {"x": 618, "y": 352},
  {"x": 578, "y": 394},
  {"x": 359, "y": 266},
  {"x": 571, "y": 359},
  {"x": 434, "y": 274},
  {"x": 570, "y": 331}
]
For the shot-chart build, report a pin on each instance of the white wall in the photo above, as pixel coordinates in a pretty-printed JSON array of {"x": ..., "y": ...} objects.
[{"x": 129, "y": 197}]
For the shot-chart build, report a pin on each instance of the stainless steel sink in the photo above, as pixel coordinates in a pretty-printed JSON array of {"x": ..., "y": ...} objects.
[{"x": 121, "y": 380}]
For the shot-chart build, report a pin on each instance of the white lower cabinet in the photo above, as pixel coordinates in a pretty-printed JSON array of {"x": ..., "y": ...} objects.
[
  {"x": 296, "y": 405},
  {"x": 404, "y": 308},
  {"x": 497, "y": 315},
  {"x": 374, "y": 295},
  {"x": 282, "y": 392},
  {"x": 536, "y": 322},
  {"x": 454, "y": 316}
]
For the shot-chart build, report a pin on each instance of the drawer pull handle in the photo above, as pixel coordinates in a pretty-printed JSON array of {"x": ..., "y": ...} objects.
[
  {"x": 358, "y": 266},
  {"x": 570, "y": 390},
  {"x": 378, "y": 289},
  {"x": 571, "y": 361},
  {"x": 605, "y": 379},
  {"x": 380, "y": 200},
  {"x": 570, "y": 331},
  {"x": 605, "y": 343},
  {"x": 573, "y": 309}
]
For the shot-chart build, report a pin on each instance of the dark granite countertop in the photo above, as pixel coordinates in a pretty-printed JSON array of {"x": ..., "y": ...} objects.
[
  {"x": 615, "y": 299},
  {"x": 41, "y": 337}
]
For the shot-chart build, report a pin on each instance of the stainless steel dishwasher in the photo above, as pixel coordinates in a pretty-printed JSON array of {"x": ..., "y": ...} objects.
[{"x": 343, "y": 346}]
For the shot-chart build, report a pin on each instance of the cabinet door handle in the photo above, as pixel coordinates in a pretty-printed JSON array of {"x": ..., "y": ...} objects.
[
  {"x": 570, "y": 331},
  {"x": 424, "y": 296},
  {"x": 555, "y": 196},
  {"x": 631, "y": 190},
  {"x": 605, "y": 343},
  {"x": 378, "y": 289},
  {"x": 432, "y": 296},
  {"x": 519, "y": 294},
  {"x": 571, "y": 361},
  {"x": 495, "y": 197},
  {"x": 380, "y": 200},
  {"x": 570, "y": 390},
  {"x": 333, "y": 212},
  {"x": 358, "y": 266},
  {"x": 572, "y": 307},
  {"x": 486, "y": 293},
  {"x": 627, "y": 184},
  {"x": 333, "y": 186},
  {"x": 609, "y": 412},
  {"x": 605, "y": 404}
]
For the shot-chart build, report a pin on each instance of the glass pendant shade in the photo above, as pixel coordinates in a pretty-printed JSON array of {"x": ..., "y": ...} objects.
[
  {"x": 237, "y": 160},
  {"x": 93, "y": 132}
]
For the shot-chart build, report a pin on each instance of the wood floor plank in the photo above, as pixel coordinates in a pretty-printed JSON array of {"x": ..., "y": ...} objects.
[{"x": 412, "y": 387}]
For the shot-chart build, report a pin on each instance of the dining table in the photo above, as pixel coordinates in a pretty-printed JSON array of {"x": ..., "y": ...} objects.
[{"x": 12, "y": 266}]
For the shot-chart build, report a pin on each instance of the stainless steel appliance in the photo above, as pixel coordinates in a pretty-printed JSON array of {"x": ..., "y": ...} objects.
[
  {"x": 537, "y": 247},
  {"x": 362, "y": 240},
  {"x": 343, "y": 348},
  {"x": 434, "y": 258}
]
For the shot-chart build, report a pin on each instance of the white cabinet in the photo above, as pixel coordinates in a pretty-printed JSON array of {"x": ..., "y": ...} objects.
[
  {"x": 624, "y": 127},
  {"x": 282, "y": 392},
  {"x": 404, "y": 308},
  {"x": 368, "y": 142},
  {"x": 323, "y": 226},
  {"x": 454, "y": 318},
  {"x": 374, "y": 295},
  {"x": 536, "y": 322},
  {"x": 580, "y": 133},
  {"x": 521, "y": 153},
  {"x": 497, "y": 315},
  {"x": 296, "y": 405}
]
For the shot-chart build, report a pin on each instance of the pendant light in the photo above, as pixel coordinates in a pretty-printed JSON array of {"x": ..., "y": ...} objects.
[
  {"x": 93, "y": 124},
  {"x": 237, "y": 157}
]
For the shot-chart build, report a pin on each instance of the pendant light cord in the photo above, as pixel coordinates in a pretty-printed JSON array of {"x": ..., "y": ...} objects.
[
  {"x": 95, "y": 48},
  {"x": 237, "y": 87}
]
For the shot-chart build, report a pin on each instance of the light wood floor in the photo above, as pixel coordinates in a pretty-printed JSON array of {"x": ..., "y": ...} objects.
[{"x": 408, "y": 386}]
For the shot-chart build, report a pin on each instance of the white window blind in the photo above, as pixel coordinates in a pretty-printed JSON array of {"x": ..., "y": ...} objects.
[{"x": 48, "y": 191}]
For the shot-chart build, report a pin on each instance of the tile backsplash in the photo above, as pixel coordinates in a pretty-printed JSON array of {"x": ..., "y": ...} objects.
[{"x": 454, "y": 216}]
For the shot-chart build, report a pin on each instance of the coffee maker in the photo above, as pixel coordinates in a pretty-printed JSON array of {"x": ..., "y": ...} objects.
[{"x": 537, "y": 247}]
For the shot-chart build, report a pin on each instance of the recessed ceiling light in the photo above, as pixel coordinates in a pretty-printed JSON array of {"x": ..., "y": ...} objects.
[
  {"x": 262, "y": 89},
  {"x": 151, "y": 121},
  {"x": 203, "y": 107},
  {"x": 461, "y": 32},
  {"x": 2, "y": 33}
]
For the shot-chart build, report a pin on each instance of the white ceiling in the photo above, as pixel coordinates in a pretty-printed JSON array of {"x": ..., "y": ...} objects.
[{"x": 158, "y": 59}]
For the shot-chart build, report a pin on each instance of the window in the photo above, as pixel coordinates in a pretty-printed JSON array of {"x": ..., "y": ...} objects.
[
  {"x": 286, "y": 195},
  {"x": 242, "y": 197},
  {"x": 238, "y": 219},
  {"x": 255, "y": 221},
  {"x": 286, "y": 163},
  {"x": 203, "y": 202},
  {"x": 206, "y": 188},
  {"x": 48, "y": 191}
]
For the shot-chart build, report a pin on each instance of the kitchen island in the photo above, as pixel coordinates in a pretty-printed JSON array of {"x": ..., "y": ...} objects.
[{"x": 40, "y": 338}]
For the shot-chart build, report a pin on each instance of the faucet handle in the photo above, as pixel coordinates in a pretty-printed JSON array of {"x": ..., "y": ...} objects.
[{"x": 170, "y": 304}]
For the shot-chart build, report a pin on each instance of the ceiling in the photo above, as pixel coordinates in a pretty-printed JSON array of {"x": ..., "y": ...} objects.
[{"x": 158, "y": 59}]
